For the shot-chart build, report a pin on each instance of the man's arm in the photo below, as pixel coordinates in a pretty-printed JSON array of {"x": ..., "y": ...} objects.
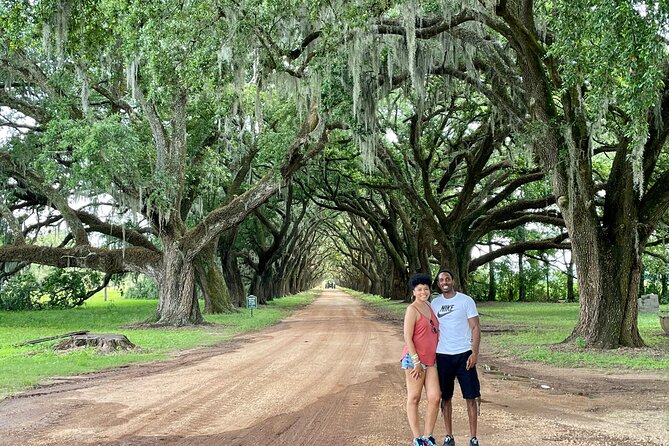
[{"x": 476, "y": 341}]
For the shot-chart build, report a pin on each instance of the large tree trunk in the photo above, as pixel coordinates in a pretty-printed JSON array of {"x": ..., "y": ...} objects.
[
  {"x": 212, "y": 283},
  {"x": 262, "y": 286},
  {"x": 296, "y": 278},
  {"x": 606, "y": 248},
  {"x": 282, "y": 285},
  {"x": 607, "y": 258},
  {"x": 609, "y": 292},
  {"x": 178, "y": 304},
  {"x": 231, "y": 273},
  {"x": 376, "y": 282},
  {"x": 425, "y": 239},
  {"x": 233, "y": 278},
  {"x": 217, "y": 291},
  {"x": 456, "y": 258},
  {"x": 398, "y": 284}
]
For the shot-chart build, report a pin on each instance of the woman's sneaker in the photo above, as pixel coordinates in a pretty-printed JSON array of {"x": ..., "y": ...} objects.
[
  {"x": 449, "y": 441},
  {"x": 418, "y": 442},
  {"x": 429, "y": 441},
  {"x": 473, "y": 441}
]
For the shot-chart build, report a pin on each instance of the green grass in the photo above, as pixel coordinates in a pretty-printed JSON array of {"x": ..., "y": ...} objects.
[
  {"x": 539, "y": 328},
  {"x": 392, "y": 308},
  {"x": 25, "y": 366},
  {"x": 534, "y": 332}
]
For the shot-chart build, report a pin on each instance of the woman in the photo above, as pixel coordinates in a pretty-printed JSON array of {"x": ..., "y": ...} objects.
[{"x": 421, "y": 333}]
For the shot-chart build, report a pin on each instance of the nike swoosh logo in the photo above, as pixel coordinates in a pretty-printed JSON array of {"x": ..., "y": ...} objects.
[{"x": 444, "y": 310}]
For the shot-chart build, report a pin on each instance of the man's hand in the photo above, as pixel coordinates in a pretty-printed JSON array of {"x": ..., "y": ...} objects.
[{"x": 471, "y": 361}]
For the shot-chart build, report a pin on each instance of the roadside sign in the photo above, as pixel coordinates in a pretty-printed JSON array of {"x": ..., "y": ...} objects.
[{"x": 251, "y": 303}]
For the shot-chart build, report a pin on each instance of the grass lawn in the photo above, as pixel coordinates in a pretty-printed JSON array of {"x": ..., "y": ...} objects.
[
  {"x": 25, "y": 366},
  {"x": 534, "y": 332}
]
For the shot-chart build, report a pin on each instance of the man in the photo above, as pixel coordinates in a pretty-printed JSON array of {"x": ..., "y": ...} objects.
[{"x": 457, "y": 352}]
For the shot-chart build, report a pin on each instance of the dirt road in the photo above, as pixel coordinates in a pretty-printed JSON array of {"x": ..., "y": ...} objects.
[{"x": 328, "y": 375}]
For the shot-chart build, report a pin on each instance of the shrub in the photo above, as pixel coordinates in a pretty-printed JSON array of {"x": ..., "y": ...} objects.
[
  {"x": 67, "y": 288},
  {"x": 60, "y": 288},
  {"x": 144, "y": 288},
  {"x": 17, "y": 292}
]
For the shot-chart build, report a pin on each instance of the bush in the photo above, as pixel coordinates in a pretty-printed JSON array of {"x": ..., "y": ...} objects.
[
  {"x": 144, "y": 288},
  {"x": 60, "y": 288},
  {"x": 67, "y": 288},
  {"x": 16, "y": 293}
]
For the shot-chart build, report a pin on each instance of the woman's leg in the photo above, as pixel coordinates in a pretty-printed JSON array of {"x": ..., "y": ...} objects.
[
  {"x": 433, "y": 392},
  {"x": 414, "y": 389}
]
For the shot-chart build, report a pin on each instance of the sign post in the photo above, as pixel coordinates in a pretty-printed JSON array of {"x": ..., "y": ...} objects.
[{"x": 251, "y": 303}]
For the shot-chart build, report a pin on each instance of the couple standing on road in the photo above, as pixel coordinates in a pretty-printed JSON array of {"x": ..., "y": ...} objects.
[{"x": 442, "y": 340}]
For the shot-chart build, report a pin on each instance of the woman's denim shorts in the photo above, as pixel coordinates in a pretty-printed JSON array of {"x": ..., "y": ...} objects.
[{"x": 407, "y": 362}]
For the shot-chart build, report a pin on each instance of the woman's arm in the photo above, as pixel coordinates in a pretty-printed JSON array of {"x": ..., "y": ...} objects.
[{"x": 409, "y": 323}]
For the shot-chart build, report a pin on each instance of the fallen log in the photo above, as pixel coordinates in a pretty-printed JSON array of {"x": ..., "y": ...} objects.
[
  {"x": 103, "y": 342},
  {"x": 50, "y": 338}
]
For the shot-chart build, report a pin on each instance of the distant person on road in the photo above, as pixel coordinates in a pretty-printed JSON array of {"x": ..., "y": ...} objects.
[
  {"x": 457, "y": 352},
  {"x": 421, "y": 333}
]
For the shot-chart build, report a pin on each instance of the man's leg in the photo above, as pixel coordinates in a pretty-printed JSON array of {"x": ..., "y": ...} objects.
[
  {"x": 446, "y": 373},
  {"x": 447, "y": 408},
  {"x": 472, "y": 412},
  {"x": 471, "y": 390}
]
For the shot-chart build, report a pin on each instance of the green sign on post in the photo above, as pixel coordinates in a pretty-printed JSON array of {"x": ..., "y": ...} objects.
[{"x": 251, "y": 303}]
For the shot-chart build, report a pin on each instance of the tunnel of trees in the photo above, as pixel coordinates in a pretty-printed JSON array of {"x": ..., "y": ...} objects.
[{"x": 220, "y": 149}]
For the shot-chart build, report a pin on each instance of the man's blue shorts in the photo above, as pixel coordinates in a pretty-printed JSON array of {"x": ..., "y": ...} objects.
[{"x": 452, "y": 366}]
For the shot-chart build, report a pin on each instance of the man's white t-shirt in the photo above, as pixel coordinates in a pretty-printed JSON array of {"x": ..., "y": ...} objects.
[{"x": 455, "y": 335}]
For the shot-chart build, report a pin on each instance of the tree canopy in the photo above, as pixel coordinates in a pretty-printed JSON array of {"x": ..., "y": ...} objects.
[{"x": 156, "y": 137}]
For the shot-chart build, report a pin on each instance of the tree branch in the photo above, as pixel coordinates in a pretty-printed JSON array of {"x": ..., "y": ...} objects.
[
  {"x": 517, "y": 248},
  {"x": 106, "y": 260},
  {"x": 13, "y": 223},
  {"x": 25, "y": 175}
]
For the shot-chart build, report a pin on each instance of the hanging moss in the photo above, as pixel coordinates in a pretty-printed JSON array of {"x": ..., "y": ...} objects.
[
  {"x": 408, "y": 57},
  {"x": 84, "y": 89},
  {"x": 365, "y": 94},
  {"x": 46, "y": 39},
  {"x": 131, "y": 76},
  {"x": 257, "y": 75},
  {"x": 638, "y": 145},
  {"x": 62, "y": 23},
  {"x": 409, "y": 20}
]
